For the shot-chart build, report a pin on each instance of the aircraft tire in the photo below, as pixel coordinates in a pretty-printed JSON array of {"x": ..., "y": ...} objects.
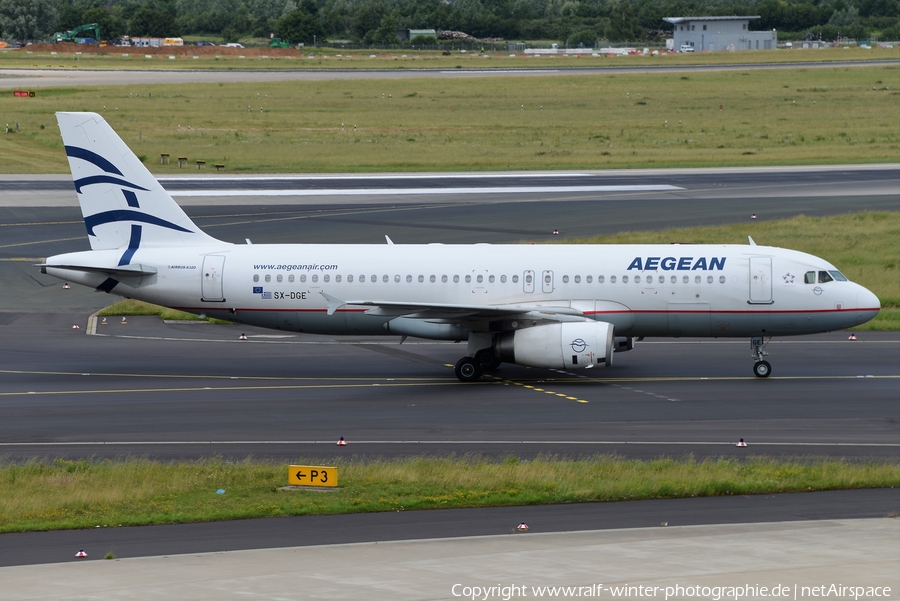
[
  {"x": 468, "y": 370},
  {"x": 762, "y": 369}
]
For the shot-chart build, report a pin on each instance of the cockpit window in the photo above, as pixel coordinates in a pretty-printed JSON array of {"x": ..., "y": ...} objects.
[
  {"x": 837, "y": 275},
  {"x": 824, "y": 277},
  {"x": 810, "y": 277}
]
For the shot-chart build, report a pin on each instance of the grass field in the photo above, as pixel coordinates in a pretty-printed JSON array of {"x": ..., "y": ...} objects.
[
  {"x": 58, "y": 494},
  {"x": 220, "y": 58},
  {"x": 769, "y": 117}
]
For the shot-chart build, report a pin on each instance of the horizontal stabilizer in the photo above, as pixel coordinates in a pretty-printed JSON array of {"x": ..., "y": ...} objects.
[{"x": 121, "y": 271}]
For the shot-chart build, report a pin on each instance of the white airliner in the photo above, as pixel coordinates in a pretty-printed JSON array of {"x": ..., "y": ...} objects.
[{"x": 566, "y": 307}]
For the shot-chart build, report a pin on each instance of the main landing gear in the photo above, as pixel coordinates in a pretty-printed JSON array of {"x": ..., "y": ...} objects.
[
  {"x": 470, "y": 369},
  {"x": 761, "y": 368}
]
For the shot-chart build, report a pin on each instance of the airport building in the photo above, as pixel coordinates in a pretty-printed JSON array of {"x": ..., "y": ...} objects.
[{"x": 719, "y": 33}]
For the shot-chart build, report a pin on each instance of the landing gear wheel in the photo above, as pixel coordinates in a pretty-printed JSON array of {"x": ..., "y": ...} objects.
[
  {"x": 468, "y": 370},
  {"x": 762, "y": 369},
  {"x": 487, "y": 359}
]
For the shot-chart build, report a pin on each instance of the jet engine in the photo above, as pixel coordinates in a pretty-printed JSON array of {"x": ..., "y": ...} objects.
[{"x": 568, "y": 345}]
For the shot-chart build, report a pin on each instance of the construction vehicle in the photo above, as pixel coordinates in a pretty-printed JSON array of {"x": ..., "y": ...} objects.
[
  {"x": 277, "y": 43},
  {"x": 91, "y": 30}
]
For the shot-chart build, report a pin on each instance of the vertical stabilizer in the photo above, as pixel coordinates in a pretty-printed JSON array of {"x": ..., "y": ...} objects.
[{"x": 122, "y": 203}]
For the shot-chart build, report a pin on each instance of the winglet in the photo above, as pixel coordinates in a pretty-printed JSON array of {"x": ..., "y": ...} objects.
[
  {"x": 333, "y": 303},
  {"x": 388, "y": 240},
  {"x": 752, "y": 243}
]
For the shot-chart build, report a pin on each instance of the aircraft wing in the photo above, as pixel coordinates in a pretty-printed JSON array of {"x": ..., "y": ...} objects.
[{"x": 446, "y": 311}]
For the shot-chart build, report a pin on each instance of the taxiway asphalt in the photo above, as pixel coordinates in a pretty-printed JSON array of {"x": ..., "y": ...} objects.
[{"x": 32, "y": 77}]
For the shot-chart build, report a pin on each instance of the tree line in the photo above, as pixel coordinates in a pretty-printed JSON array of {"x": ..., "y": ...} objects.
[{"x": 375, "y": 22}]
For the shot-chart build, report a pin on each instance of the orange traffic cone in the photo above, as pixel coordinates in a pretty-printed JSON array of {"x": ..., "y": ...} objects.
[
  {"x": 741, "y": 443},
  {"x": 81, "y": 553},
  {"x": 103, "y": 323},
  {"x": 522, "y": 527},
  {"x": 342, "y": 442},
  {"x": 124, "y": 322}
]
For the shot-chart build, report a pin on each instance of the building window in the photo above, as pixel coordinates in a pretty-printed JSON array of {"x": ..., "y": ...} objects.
[{"x": 704, "y": 28}]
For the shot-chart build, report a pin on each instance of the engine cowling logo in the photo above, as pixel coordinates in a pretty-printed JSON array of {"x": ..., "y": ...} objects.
[{"x": 579, "y": 345}]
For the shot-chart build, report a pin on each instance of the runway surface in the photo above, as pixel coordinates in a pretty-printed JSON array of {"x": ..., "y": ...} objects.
[
  {"x": 34, "y": 77},
  {"x": 18, "y": 549},
  {"x": 176, "y": 390}
]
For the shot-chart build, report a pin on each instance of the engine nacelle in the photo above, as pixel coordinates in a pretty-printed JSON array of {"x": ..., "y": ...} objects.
[
  {"x": 623, "y": 344},
  {"x": 575, "y": 345}
]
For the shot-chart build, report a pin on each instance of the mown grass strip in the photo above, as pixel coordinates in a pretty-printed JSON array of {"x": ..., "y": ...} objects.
[
  {"x": 60, "y": 494},
  {"x": 56, "y": 57},
  {"x": 748, "y": 117}
]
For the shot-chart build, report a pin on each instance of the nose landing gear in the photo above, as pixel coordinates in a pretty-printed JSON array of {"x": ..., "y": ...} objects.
[{"x": 761, "y": 368}]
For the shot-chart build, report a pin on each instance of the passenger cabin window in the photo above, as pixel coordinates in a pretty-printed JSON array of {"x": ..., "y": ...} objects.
[
  {"x": 825, "y": 277},
  {"x": 515, "y": 279},
  {"x": 279, "y": 277},
  {"x": 303, "y": 277},
  {"x": 810, "y": 277},
  {"x": 255, "y": 277},
  {"x": 291, "y": 278}
]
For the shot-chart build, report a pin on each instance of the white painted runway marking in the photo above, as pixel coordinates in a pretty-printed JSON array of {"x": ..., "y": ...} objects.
[
  {"x": 445, "y": 442},
  {"x": 423, "y": 191}
]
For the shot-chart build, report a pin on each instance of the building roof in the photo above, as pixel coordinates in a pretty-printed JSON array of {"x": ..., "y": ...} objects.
[{"x": 677, "y": 20}]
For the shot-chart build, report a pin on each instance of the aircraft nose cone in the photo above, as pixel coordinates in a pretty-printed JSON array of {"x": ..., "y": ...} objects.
[{"x": 866, "y": 300}]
